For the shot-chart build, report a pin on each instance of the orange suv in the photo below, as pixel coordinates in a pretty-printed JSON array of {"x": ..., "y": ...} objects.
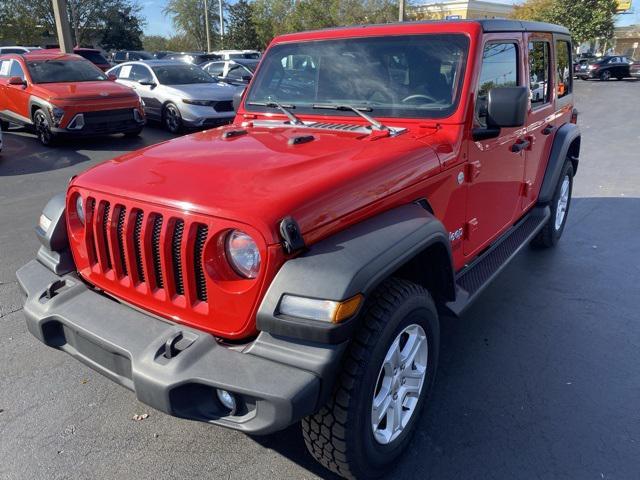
[{"x": 65, "y": 95}]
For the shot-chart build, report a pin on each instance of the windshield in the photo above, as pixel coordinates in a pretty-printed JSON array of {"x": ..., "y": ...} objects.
[
  {"x": 181, "y": 75},
  {"x": 54, "y": 71},
  {"x": 400, "y": 76}
]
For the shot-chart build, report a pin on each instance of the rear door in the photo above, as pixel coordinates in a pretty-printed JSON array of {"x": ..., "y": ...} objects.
[
  {"x": 541, "y": 121},
  {"x": 495, "y": 171}
]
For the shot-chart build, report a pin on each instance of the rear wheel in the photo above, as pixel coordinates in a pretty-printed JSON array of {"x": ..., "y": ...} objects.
[
  {"x": 43, "y": 128},
  {"x": 387, "y": 374},
  {"x": 605, "y": 75},
  {"x": 552, "y": 231},
  {"x": 171, "y": 119}
]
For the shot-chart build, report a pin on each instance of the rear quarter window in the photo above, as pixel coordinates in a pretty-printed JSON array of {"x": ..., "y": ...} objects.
[{"x": 563, "y": 68}]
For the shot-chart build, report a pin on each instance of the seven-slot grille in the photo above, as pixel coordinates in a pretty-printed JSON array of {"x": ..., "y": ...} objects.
[{"x": 160, "y": 251}]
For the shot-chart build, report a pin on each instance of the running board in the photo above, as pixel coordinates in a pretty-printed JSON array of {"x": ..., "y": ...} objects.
[{"x": 473, "y": 279}]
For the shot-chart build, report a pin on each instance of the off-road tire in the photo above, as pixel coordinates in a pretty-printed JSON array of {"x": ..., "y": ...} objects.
[
  {"x": 549, "y": 235},
  {"x": 340, "y": 435}
]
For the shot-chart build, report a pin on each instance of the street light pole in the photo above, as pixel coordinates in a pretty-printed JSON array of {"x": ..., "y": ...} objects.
[
  {"x": 221, "y": 24},
  {"x": 62, "y": 26},
  {"x": 206, "y": 25}
]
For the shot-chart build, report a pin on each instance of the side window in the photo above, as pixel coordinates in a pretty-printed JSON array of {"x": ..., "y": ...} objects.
[
  {"x": 216, "y": 69},
  {"x": 539, "y": 73},
  {"x": 140, "y": 73},
  {"x": 116, "y": 71},
  {"x": 499, "y": 69},
  {"x": 120, "y": 56},
  {"x": 16, "y": 70},
  {"x": 5, "y": 68},
  {"x": 236, "y": 72},
  {"x": 563, "y": 68}
]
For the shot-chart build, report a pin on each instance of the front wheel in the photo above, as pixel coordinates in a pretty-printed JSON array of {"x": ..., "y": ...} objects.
[
  {"x": 387, "y": 375},
  {"x": 172, "y": 119},
  {"x": 605, "y": 76},
  {"x": 552, "y": 231},
  {"x": 43, "y": 129}
]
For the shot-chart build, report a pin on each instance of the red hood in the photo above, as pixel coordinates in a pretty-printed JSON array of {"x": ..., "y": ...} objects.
[
  {"x": 80, "y": 91},
  {"x": 258, "y": 178}
]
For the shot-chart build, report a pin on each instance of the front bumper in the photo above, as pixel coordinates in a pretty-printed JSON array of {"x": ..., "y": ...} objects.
[
  {"x": 196, "y": 116},
  {"x": 130, "y": 347}
]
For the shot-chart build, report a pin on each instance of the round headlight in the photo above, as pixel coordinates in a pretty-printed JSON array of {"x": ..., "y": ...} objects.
[
  {"x": 80, "y": 209},
  {"x": 243, "y": 254}
]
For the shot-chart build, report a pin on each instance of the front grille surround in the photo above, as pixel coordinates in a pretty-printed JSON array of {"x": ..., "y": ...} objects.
[{"x": 184, "y": 278}]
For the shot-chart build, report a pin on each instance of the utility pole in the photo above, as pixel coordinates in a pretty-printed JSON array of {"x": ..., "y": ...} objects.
[
  {"x": 221, "y": 25},
  {"x": 401, "y": 8},
  {"x": 62, "y": 26},
  {"x": 206, "y": 25}
]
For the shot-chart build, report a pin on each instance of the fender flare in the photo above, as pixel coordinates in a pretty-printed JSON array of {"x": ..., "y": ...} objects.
[
  {"x": 564, "y": 138},
  {"x": 41, "y": 104},
  {"x": 355, "y": 260},
  {"x": 54, "y": 252}
]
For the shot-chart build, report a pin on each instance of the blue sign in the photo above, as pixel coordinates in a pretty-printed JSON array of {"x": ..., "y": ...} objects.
[{"x": 453, "y": 17}]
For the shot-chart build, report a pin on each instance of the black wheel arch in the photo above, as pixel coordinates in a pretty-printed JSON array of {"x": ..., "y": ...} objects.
[
  {"x": 566, "y": 145},
  {"x": 407, "y": 242}
]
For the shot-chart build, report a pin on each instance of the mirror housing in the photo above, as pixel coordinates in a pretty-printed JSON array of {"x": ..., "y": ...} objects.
[
  {"x": 507, "y": 107},
  {"x": 17, "y": 81},
  {"x": 237, "y": 99}
]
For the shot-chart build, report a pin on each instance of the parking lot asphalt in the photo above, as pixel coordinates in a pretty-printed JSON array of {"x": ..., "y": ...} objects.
[{"x": 540, "y": 379}]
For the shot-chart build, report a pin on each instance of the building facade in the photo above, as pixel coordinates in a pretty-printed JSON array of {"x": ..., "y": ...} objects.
[{"x": 460, "y": 10}]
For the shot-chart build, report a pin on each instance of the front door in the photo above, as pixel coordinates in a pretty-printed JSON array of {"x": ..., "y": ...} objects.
[{"x": 496, "y": 166}]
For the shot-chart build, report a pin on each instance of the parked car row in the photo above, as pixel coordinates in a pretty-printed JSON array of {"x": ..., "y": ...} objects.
[
  {"x": 605, "y": 68},
  {"x": 59, "y": 95}
]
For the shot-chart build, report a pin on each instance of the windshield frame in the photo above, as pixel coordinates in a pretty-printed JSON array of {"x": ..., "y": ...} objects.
[
  {"x": 29, "y": 63},
  {"x": 377, "y": 111}
]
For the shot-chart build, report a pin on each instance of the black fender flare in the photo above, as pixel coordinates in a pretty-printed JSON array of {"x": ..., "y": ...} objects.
[
  {"x": 35, "y": 102},
  {"x": 564, "y": 138},
  {"x": 54, "y": 252},
  {"x": 355, "y": 260}
]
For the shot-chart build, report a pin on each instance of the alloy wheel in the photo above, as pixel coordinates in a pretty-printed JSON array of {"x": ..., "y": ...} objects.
[
  {"x": 399, "y": 384},
  {"x": 563, "y": 202}
]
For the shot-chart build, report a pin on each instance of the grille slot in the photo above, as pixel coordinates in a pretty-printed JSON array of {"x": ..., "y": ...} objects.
[
  {"x": 91, "y": 244},
  {"x": 176, "y": 256},
  {"x": 137, "y": 244},
  {"x": 201, "y": 284},
  {"x": 155, "y": 250},
  {"x": 105, "y": 233},
  {"x": 120, "y": 229}
]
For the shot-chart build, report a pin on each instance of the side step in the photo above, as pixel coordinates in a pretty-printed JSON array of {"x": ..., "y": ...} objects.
[{"x": 472, "y": 279}]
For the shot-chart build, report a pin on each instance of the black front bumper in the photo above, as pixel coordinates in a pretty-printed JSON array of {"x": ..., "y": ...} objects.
[{"x": 276, "y": 382}]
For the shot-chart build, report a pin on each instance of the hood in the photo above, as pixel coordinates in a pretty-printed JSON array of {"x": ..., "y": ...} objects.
[
  {"x": 203, "y": 91},
  {"x": 260, "y": 177},
  {"x": 83, "y": 91}
]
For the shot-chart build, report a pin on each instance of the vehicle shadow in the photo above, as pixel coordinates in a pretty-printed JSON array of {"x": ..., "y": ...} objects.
[
  {"x": 23, "y": 154},
  {"x": 530, "y": 376}
]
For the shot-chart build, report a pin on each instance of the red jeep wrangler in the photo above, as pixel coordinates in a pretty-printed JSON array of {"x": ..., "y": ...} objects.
[{"x": 292, "y": 266}]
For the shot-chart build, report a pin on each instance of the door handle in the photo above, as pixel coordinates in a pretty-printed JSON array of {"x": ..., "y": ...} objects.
[
  {"x": 521, "y": 145},
  {"x": 548, "y": 130}
]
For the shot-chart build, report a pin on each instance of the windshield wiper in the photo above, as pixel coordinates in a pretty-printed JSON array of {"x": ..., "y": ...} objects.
[
  {"x": 283, "y": 108},
  {"x": 358, "y": 110}
]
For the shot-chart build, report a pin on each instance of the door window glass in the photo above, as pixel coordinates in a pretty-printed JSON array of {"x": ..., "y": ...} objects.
[
  {"x": 499, "y": 69},
  {"x": 216, "y": 69},
  {"x": 140, "y": 74},
  {"x": 539, "y": 73},
  {"x": 563, "y": 72},
  {"x": 16, "y": 70}
]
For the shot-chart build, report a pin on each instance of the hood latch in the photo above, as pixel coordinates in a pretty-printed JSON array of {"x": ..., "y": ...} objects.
[{"x": 291, "y": 235}]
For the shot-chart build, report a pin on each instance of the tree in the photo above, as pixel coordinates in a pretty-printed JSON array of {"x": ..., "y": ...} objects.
[
  {"x": 188, "y": 19},
  {"x": 154, "y": 43},
  {"x": 122, "y": 29},
  {"x": 242, "y": 32},
  {"x": 585, "y": 19}
]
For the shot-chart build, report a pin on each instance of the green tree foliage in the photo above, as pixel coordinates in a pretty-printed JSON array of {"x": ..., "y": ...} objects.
[
  {"x": 189, "y": 20},
  {"x": 586, "y": 19},
  {"x": 241, "y": 30},
  {"x": 122, "y": 29},
  {"x": 154, "y": 43}
]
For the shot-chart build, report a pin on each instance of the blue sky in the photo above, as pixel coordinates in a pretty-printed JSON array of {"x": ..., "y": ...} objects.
[{"x": 158, "y": 24}]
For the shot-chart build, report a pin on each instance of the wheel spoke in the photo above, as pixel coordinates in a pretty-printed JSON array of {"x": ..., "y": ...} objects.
[{"x": 381, "y": 409}]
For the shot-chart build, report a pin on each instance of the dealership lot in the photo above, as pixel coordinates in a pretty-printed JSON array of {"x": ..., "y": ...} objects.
[{"x": 538, "y": 380}]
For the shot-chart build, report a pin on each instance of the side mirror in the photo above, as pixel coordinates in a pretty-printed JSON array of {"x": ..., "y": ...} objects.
[
  {"x": 17, "y": 81},
  {"x": 237, "y": 99},
  {"x": 506, "y": 107},
  {"x": 112, "y": 77}
]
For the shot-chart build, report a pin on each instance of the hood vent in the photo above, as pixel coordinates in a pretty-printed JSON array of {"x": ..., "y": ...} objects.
[{"x": 343, "y": 127}]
